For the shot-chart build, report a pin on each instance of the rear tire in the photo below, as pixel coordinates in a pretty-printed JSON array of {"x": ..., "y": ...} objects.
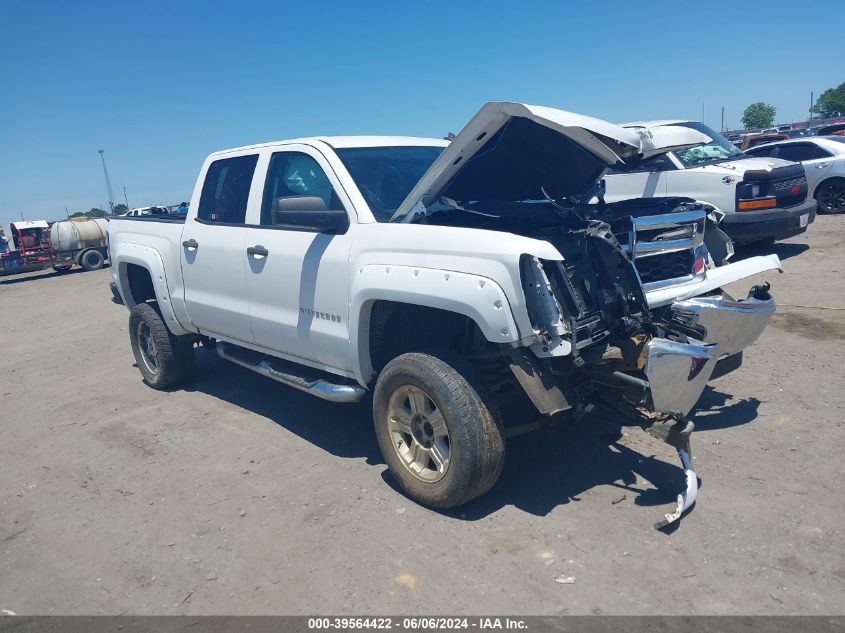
[
  {"x": 165, "y": 360},
  {"x": 437, "y": 428},
  {"x": 92, "y": 260},
  {"x": 831, "y": 196}
]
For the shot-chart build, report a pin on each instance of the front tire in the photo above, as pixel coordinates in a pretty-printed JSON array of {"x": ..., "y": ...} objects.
[
  {"x": 437, "y": 429},
  {"x": 165, "y": 360}
]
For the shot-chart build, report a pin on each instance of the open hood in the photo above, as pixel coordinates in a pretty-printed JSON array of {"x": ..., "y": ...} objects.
[{"x": 514, "y": 152}]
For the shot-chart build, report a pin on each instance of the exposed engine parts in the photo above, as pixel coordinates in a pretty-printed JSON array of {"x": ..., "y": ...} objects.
[{"x": 597, "y": 341}]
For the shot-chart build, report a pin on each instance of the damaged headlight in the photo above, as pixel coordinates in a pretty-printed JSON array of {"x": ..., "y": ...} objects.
[{"x": 543, "y": 309}]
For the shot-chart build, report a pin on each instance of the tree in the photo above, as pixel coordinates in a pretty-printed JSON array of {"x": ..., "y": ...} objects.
[
  {"x": 120, "y": 208},
  {"x": 96, "y": 213},
  {"x": 831, "y": 103},
  {"x": 758, "y": 115}
]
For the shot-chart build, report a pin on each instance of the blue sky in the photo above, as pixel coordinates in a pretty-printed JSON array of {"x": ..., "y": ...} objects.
[{"x": 158, "y": 85}]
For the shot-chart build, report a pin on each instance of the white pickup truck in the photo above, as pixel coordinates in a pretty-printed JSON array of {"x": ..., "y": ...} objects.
[{"x": 458, "y": 282}]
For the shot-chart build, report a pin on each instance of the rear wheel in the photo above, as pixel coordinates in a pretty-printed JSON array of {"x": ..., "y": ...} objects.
[
  {"x": 831, "y": 196},
  {"x": 164, "y": 359},
  {"x": 92, "y": 260},
  {"x": 437, "y": 429}
]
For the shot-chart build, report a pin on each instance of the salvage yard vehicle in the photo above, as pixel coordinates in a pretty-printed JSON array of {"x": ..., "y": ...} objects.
[
  {"x": 454, "y": 281},
  {"x": 80, "y": 241},
  {"x": 823, "y": 158},
  {"x": 763, "y": 199},
  {"x": 27, "y": 247}
]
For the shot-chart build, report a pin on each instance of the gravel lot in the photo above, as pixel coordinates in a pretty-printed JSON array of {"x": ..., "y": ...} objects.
[{"x": 239, "y": 496}]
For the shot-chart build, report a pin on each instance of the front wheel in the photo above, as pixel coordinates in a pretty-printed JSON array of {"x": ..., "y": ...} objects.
[
  {"x": 437, "y": 429},
  {"x": 831, "y": 196},
  {"x": 164, "y": 359}
]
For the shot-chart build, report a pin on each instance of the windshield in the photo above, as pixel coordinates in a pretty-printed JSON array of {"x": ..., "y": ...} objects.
[
  {"x": 718, "y": 149},
  {"x": 386, "y": 175}
]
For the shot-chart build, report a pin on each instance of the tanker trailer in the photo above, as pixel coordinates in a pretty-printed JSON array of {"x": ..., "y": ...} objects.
[{"x": 80, "y": 241}]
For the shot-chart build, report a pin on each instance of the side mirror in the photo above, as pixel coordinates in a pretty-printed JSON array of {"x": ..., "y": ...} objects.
[
  {"x": 334, "y": 221},
  {"x": 309, "y": 213}
]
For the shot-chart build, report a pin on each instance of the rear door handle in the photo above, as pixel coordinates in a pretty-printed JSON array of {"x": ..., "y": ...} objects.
[
  {"x": 822, "y": 166},
  {"x": 191, "y": 244},
  {"x": 257, "y": 251}
]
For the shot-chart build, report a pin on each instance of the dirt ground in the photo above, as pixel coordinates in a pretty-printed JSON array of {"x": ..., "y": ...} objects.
[{"x": 238, "y": 496}]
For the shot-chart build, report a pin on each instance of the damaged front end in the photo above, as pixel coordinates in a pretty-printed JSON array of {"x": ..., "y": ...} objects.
[
  {"x": 599, "y": 343},
  {"x": 607, "y": 326}
]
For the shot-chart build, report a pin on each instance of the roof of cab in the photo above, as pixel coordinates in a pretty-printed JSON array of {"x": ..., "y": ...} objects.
[{"x": 343, "y": 142}]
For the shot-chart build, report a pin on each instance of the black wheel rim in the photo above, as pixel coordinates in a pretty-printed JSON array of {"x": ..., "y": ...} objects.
[
  {"x": 147, "y": 347},
  {"x": 832, "y": 198}
]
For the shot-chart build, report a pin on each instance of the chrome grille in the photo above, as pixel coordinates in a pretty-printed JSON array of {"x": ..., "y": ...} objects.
[
  {"x": 665, "y": 266},
  {"x": 663, "y": 246}
]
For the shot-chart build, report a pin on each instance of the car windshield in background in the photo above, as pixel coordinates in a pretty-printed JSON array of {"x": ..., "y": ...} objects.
[
  {"x": 386, "y": 175},
  {"x": 718, "y": 149}
]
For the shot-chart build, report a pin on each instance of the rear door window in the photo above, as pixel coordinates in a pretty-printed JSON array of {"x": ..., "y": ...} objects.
[
  {"x": 226, "y": 190},
  {"x": 799, "y": 152}
]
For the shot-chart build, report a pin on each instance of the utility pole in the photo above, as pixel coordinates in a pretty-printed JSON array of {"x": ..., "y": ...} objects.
[
  {"x": 811, "y": 105},
  {"x": 723, "y": 119},
  {"x": 109, "y": 190},
  {"x": 125, "y": 199}
]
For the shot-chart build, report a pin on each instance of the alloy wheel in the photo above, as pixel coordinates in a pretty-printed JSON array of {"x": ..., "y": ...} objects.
[
  {"x": 418, "y": 433},
  {"x": 832, "y": 198}
]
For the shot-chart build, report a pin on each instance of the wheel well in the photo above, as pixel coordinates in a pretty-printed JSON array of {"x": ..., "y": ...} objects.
[
  {"x": 396, "y": 328},
  {"x": 140, "y": 283},
  {"x": 826, "y": 181}
]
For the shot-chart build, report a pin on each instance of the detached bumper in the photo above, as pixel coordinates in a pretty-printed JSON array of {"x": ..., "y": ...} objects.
[
  {"x": 677, "y": 373},
  {"x": 730, "y": 323},
  {"x": 766, "y": 224},
  {"x": 713, "y": 279}
]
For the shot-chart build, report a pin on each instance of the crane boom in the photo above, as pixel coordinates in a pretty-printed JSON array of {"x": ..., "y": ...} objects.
[{"x": 109, "y": 189}]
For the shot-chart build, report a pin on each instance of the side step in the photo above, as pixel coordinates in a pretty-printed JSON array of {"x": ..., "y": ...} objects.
[{"x": 292, "y": 375}]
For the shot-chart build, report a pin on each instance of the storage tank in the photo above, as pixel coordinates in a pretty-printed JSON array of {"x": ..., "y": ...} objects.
[{"x": 78, "y": 233}]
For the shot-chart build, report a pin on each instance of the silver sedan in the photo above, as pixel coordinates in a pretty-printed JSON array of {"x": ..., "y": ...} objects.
[{"x": 823, "y": 158}]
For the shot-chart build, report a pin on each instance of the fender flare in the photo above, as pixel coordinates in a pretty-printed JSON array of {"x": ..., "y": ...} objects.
[
  {"x": 478, "y": 298},
  {"x": 149, "y": 259}
]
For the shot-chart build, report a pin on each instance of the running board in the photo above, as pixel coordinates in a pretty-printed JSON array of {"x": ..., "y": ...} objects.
[{"x": 310, "y": 384}]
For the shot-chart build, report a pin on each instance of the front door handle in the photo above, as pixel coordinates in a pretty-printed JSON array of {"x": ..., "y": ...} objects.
[
  {"x": 191, "y": 244},
  {"x": 257, "y": 251},
  {"x": 822, "y": 166}
]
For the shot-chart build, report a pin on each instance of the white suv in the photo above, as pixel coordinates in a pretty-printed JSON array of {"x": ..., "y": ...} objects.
[{"x": 763, "y": 199}]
